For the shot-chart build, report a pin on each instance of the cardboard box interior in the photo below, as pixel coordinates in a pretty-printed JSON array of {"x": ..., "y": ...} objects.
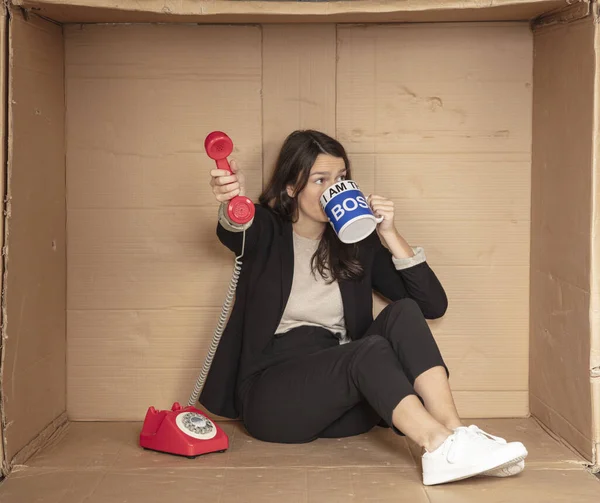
[{"x": 113, "y": 276}]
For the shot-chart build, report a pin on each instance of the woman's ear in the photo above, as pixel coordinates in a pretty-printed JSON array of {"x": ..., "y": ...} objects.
[{"x": 290, "y": 191}]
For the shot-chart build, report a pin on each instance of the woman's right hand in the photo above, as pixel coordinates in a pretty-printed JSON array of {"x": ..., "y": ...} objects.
[{"x": 225, "y": 185}]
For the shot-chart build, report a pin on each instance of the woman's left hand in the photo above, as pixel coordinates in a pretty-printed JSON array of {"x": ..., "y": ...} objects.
[
  {"x": 383, "y": 207},
  {"x": 387, "y": 231}
]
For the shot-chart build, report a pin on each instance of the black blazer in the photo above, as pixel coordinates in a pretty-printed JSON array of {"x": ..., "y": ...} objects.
[{"x": 264, "y": 287}]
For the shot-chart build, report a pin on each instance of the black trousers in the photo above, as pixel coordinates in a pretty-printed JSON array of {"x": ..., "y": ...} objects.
[{"x": 319, "y": 388}]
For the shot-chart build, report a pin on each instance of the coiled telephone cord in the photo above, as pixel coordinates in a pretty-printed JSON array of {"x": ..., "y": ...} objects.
[{"x": 220, "y": 325}]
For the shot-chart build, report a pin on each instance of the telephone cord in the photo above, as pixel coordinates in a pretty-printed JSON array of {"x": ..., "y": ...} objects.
[{"x": 220, "y": 325}]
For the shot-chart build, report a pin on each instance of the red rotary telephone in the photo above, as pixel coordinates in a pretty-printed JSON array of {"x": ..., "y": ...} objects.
[{"x": 186, "y": 431}]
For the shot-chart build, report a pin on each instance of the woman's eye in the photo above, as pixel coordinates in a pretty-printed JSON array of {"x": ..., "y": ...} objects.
[
  {"x": 342, "y": 177},
  {"x": 319, "y": 181}
]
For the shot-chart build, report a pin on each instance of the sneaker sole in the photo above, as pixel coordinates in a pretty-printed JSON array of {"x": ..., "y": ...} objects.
[
  {"x": 507, "y": 471},
  {"x": 430, "y": 481}
]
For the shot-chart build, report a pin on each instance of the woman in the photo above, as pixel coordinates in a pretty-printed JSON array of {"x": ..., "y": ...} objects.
[{"x": 302, "y": 357}]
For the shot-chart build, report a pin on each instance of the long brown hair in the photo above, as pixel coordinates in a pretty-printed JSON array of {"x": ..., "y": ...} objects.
[{"x": 333, "y": 259}]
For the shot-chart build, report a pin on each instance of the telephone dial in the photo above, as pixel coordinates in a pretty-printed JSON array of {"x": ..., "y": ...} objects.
[{"x": 186, "y": 431}]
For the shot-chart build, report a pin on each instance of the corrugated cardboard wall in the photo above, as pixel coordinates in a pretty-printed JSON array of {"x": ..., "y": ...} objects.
[
  {"x": 441, "y": 124},
  {"x": 33, "y": 371},
  {"x": 561, "y": 225},
  {"x": 147, "y": 277},
  {"x": 437, "y": 117}
]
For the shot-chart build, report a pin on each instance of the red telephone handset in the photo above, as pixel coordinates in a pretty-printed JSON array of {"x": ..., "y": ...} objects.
[{"x": 218, "y": 146}]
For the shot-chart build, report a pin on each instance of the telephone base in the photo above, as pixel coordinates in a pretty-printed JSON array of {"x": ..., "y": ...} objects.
[
  {"x": 182, "y": 431},
  {"x": 183, "y": 455}
]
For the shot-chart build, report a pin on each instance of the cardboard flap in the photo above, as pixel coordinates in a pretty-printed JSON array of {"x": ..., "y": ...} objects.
[
  {"x": 353, "y": 11},
  {"x": 34, "y": 304}
]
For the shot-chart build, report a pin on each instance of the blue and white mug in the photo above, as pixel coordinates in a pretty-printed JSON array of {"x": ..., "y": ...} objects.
[{"x": 348, "y": 212}]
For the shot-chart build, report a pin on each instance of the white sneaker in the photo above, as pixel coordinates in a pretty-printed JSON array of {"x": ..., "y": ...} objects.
[
  {"x": 466, "y": 453},
  {"x": 506, "y": 471}
]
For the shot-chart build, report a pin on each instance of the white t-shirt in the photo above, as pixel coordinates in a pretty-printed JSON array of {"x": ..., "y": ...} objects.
[{"x": 312, "y": 300}]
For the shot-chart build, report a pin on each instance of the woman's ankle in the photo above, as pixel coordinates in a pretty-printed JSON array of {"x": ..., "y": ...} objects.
[
  {"x": 433, "y": 439},
  {"x": 453, "y": 423}
]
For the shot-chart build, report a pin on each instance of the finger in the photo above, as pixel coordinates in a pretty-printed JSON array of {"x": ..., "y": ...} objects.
[
  {"x": 219, "y": 172},
  {"x": 224, "y": 189},
  {"x": 389, "y": 206},
  {"x": 380, "y": 199},
  {"x": 227, "y": 196},
  {"x": 386, "y": 203},
  {"x": 381, "y": 213},
  {"x": 371, "y": 198},
  {"x": 384, "y": 211},
  {"x": 233, "y": 164},
  {"x": 224, "y": 180}
]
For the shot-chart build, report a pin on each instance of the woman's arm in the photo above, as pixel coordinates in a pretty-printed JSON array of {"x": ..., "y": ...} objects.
[
  {"x": 397, "y": 278},
  {"x": 232, "y": 235},
  {"x": 401, "y": 271}
]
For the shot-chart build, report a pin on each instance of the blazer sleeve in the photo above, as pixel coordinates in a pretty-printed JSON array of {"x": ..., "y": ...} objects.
[
  {"x": 232, "y": 235},
  {"x": 411, "y": 278}
]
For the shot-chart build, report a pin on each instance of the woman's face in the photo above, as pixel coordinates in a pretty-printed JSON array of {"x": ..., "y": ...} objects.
[{"x": 326, "y": 171}]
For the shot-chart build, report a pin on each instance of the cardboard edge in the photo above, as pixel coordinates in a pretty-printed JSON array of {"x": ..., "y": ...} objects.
[
  {"x": 4, "y": 91},
  {"x": 551, "y": 419},
  {"x": 595, "y": 255},
  {"x": 276, "y": 7},
  {"x": 561, "y": 429},
  {"x": 209, "y": 11},
  {"x": 40, "y": 439},
  {"x": 52, "y": 433},
  {"x": 573, "y": 12}
]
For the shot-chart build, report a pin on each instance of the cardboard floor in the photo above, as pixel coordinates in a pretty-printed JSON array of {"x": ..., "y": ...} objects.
[{"x": 102, "y": 463}]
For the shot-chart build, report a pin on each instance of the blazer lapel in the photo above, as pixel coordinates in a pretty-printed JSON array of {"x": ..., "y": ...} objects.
[
  {"x": 287, "y": 265},
  {"x": 347, "y": 289}
]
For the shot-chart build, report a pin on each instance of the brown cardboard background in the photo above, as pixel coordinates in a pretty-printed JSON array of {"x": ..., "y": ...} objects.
[
  {"x": 147, "y": 276},
  {"x": 146, "y": 273},
  {"x": 298, "y": 84},
  {"x": 35, "y": 279},
  {"x": 452, "y": 151},
  {"x": 561, "y": 240}
]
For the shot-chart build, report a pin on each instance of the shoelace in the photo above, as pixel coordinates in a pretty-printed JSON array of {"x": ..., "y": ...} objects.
[
  {"x": 452, "y": 447},
  {"x": 478, "y": 431}
]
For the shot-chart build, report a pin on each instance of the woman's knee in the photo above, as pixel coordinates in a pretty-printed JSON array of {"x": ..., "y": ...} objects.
[
  {"x": 406, "y": 306},
  {"x": 371, "y": 345},
  {"x": 374, "y": 341},
  {"x": 404, "y": 316}
]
